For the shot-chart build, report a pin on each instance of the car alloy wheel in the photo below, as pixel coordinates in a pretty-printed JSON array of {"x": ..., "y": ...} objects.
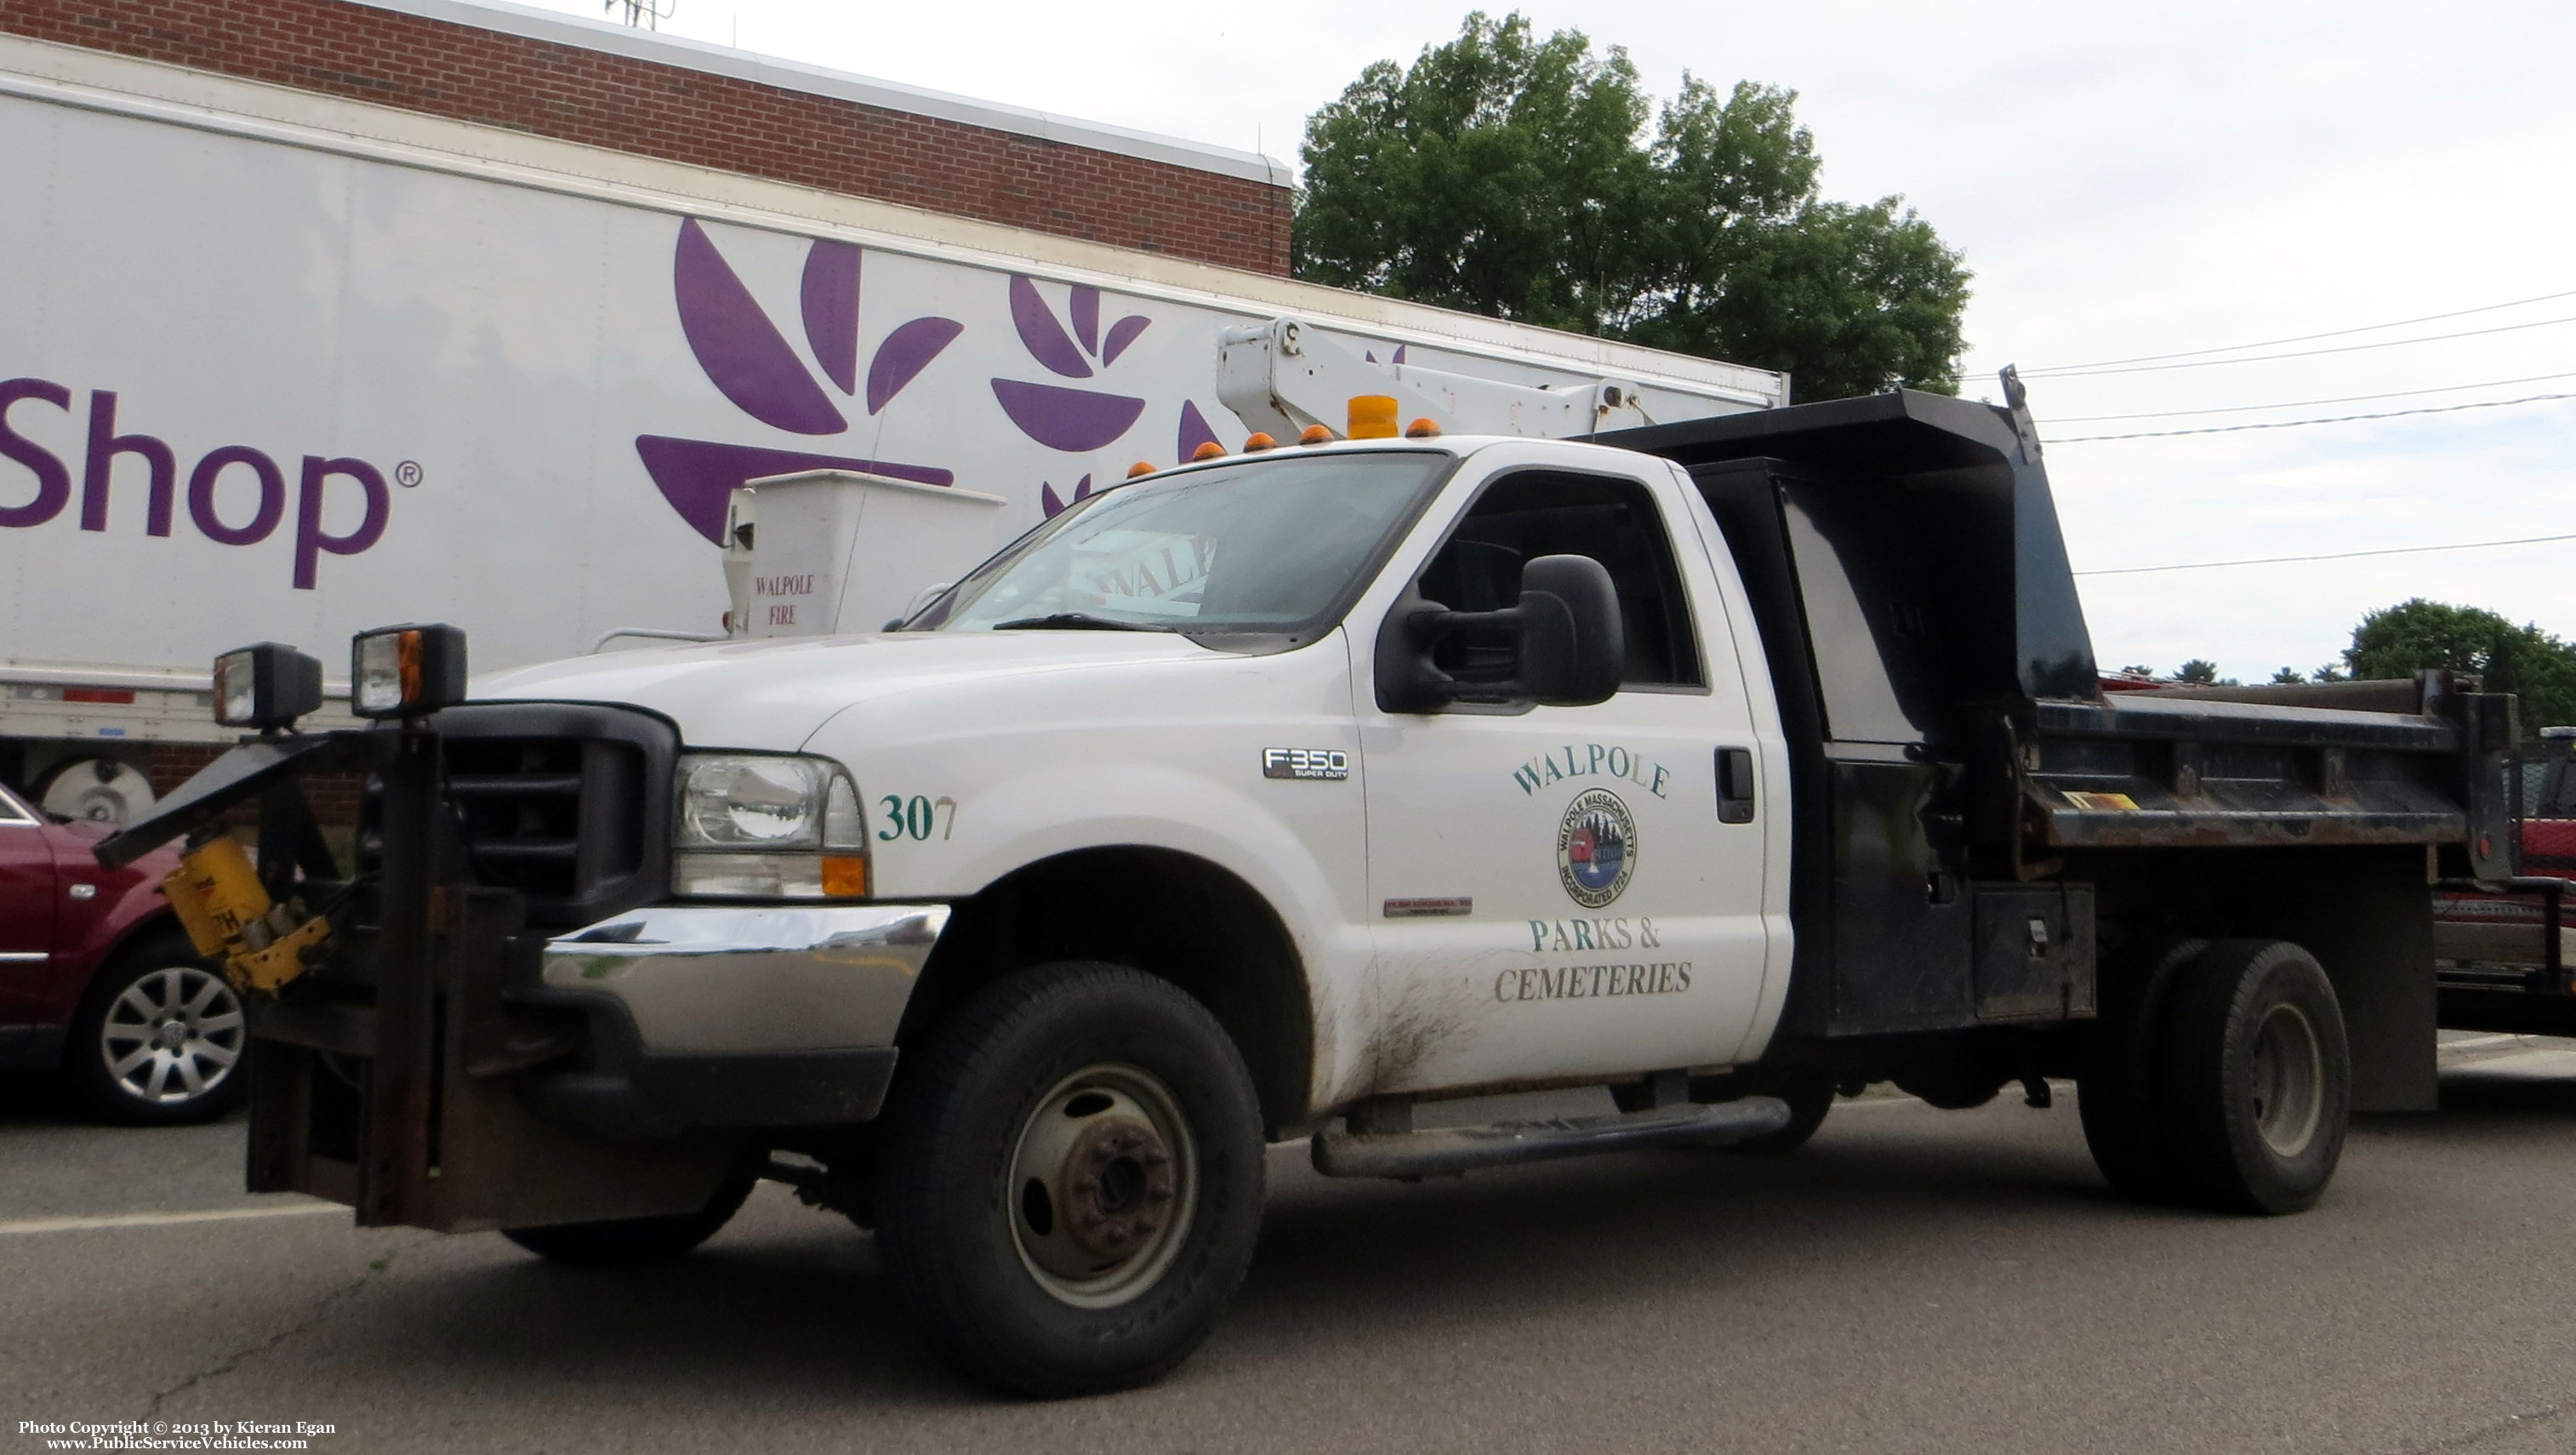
[{"x": 175, "y": 1035}]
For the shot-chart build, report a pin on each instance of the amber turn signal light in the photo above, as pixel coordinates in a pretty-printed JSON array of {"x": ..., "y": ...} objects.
[{"x": 845, "y": 876}]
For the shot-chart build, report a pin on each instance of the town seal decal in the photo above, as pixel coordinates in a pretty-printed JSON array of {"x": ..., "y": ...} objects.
[{"x": 1596, "y": 848}]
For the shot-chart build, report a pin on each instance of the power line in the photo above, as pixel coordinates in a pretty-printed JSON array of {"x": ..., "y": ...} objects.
[
  {"x": 2157, "y": 434},
  {"x": 2307, "y": 337},
  {"x": 2306, "y": 403},
  {"x": 2430, "y": 338},
  {"x": 2327, "y": 556}
]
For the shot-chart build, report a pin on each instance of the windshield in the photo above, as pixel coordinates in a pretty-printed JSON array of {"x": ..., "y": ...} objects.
[{"x": 1262, "y": 547}]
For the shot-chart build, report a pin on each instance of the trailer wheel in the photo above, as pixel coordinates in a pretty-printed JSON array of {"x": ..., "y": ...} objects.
[
  {"x": 635, "y": 1240},
  {"x": 1071, "y": 1180},
  {"x": 2257, "y": 1084},
  {"x": 2115, "y": 1089}
]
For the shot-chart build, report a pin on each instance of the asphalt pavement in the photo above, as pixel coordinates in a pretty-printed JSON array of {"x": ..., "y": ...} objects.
[{"x": 1913, "y": 1280}]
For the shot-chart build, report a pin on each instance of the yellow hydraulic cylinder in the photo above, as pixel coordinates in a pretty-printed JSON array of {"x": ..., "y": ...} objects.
[
  {"x": 229, "y": 917},
  {"x": 215, "y": 892}
]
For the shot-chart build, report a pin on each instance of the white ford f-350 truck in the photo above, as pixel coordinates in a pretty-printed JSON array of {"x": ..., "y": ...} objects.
[{"x": 1721, "y": 763}]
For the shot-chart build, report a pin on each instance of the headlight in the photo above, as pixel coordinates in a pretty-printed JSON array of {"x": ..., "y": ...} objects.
[{"x": 768, "y": 826}]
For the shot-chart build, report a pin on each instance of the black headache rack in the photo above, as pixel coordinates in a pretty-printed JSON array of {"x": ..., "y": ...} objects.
[
  {"x": 1962, "y": 780},
  {"x": 391, "y": 1077}
]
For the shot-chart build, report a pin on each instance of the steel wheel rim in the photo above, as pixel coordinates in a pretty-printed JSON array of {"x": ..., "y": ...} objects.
[
  {"x": 172, "y": 1036},
  {"x": 2288, "y": 1080},
  {"x": 1081, "y": 1161}
]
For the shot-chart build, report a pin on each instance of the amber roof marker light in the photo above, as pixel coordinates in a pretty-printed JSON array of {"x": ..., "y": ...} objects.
[
  {"x": 1372, "y": 417},
  {"x": 1422, "y": 429},
  {"x": 1315, "y": 434}
]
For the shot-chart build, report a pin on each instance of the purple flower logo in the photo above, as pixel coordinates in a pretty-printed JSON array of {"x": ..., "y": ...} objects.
[
  {"x": 751, "y": 363},
  {"x": 1055, "y": 503},
  {"x": 1076, "y": 421}
]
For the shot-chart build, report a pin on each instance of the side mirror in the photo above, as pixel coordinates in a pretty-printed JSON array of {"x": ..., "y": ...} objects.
[{"x": 1570, "y": 651}]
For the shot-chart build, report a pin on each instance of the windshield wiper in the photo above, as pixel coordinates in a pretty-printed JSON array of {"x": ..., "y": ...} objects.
[{"x": 1075, "y": 621}]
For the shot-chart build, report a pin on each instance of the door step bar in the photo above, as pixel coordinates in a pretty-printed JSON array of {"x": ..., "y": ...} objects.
[{"x": 1501, "y": 1144}]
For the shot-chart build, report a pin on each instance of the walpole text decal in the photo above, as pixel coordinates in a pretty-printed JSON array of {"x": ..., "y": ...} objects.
[{"x": 1593, "y": 760}]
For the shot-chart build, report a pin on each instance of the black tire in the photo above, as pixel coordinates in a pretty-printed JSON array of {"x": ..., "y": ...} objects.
[
  {"x": 635, "y": 1240},
  {"x": 159, "y": 1039},
  {"x": 989, "y": 1131},
  {"x": 2257, "y": 1083},
  {"x": 2116, "y": 1085}
]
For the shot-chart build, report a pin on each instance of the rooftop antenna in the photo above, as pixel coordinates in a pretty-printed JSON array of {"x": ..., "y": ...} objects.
[{"x": 646, "y": 14}]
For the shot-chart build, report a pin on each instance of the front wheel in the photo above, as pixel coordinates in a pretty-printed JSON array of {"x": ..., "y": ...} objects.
[
  {"x": 2257, "y": 1078},
  {"x": 1071, "y": 1180}
]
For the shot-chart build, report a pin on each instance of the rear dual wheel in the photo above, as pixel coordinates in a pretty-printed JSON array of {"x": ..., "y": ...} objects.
[{"x": 2220, "y": 1077}]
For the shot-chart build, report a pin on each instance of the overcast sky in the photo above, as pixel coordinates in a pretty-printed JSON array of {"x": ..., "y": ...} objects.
[{"x": 2125, "y": 181}]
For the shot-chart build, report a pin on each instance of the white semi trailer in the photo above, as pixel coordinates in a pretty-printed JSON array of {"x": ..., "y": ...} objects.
[{"x": 278, "y": 365}]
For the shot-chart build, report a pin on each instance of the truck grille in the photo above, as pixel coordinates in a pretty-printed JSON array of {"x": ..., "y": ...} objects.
[{"x": 567, "y": 804}]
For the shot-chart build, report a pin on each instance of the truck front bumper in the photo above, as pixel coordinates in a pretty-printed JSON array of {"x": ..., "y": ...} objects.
[{"x": 733, "y": 1015}]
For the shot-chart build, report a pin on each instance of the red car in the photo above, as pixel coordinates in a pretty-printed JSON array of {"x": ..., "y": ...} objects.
[{"x": 98, "y": 983}]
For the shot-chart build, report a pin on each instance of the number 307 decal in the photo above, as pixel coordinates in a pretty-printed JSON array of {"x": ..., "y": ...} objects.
[{"x": 914, "y": 817}]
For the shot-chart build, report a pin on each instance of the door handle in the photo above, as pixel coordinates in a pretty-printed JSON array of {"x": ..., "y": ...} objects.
[{"x": 1735, "y": 785}]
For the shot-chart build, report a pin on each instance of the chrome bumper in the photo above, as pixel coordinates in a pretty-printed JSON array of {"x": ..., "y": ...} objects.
[{"x": 732, "y": 980}]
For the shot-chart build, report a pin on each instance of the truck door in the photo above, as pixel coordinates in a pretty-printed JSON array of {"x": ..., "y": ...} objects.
[
  {"x": 1563, "y": 891},
  {"x": 26, "y": 912}
]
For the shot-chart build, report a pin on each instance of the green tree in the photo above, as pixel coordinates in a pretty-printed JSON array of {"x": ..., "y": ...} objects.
[
  {"x": 1516, "y": 176},
  {"x": 2397, "y": 640},
  {"x": 2198, "y": 669}
]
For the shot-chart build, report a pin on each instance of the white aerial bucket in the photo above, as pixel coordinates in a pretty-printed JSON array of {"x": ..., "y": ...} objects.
[{"x": 826, "y": 551}]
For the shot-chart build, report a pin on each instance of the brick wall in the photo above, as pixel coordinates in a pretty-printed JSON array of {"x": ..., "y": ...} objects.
[
  {"x": 685, "y": 115},
  {"x": 334, "y": 796}
]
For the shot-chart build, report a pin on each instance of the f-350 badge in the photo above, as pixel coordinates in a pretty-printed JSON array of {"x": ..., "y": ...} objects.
[{"x": 1596, "y": 848}]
